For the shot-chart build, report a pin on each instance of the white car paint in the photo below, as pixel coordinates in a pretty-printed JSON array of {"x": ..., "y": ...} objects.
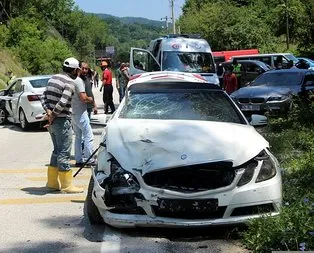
[
  {"x": 146, "y": 144},
  {"x": 143, "y": 146},
  {"x": 17, "y": 102}
]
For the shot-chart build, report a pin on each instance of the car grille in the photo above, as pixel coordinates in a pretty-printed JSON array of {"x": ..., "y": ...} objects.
[
  {"x": 194, "y": 178},
  {"x": 251, "y": 100},
  {"x": 189, "y": 209}
]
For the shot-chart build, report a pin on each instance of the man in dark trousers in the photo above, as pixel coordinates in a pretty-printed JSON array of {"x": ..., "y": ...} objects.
[{"x": 107, "y": 88}]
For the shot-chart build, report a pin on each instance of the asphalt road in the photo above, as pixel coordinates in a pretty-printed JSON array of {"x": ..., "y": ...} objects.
[{"x": 36, "y": 220}]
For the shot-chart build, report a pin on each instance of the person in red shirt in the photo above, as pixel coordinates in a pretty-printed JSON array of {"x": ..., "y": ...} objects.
[
  {"x": 107, "y": 88},
  {"x": 230, "y": 82}
]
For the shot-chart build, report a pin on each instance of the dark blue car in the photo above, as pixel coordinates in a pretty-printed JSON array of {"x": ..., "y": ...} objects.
[{"x": 273, "y": 90}]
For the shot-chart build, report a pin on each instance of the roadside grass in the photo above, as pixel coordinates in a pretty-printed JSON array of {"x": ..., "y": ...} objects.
[
  {"x": 9, "y": 62},
  {"x": 292, "y": 141}
]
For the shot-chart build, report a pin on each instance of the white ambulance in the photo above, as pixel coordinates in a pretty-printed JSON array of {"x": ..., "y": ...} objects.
[{"x": 175, "y": 52}]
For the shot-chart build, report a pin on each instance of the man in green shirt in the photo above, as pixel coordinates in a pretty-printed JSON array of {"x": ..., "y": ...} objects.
[{"x": 237, "y": 68}]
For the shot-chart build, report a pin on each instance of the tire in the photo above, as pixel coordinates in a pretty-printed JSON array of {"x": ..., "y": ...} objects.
[
  {"x": 23, "y": 120},
  {"x": 3, "y": 116},
  {"x": 92, "y": 211}
]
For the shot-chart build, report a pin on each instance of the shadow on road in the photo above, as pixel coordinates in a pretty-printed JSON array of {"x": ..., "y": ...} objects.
[
  {"x": 39, "y": 191},
  {"x": 17, "y": 128}
]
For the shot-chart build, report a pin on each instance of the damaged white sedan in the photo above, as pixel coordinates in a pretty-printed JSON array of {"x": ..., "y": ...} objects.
[{"x": 179, "y": 153}]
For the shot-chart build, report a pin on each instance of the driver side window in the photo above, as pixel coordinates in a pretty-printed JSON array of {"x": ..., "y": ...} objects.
[
  {"x": 18, "y": 86},
  {"x": 144, "y": 61}
]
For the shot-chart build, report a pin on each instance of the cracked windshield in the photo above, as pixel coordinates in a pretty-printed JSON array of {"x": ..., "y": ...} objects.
[{"x": 207, "y": 106}]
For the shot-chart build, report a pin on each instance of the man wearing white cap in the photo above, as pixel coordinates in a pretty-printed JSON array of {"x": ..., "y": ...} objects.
[{"x": 56, "y": 101}]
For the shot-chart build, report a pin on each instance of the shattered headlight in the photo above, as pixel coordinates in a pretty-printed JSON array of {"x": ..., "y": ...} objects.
[
  {"x": 248, "y": 173},
  {"x": 268, "y": 168},
  {"x": 267, "y": 171},
  {"x": 121, "y": 177}
]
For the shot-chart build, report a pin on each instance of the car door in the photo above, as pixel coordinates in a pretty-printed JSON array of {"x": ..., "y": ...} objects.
[
  {"x": 6, "y": 96},
  {"x": 141, "y": 61},
  {"x": 16, "y": 97},
  {"x": 252, "y": 71},
  {"x": 307, "y": 88}
]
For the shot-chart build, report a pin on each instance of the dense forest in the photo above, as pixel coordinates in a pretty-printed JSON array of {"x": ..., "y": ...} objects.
[
  {"x": 42, "y": 33},
  {"x": 263, "y": 24}
]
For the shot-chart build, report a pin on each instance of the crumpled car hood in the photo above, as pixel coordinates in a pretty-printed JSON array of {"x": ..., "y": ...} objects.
[{"x": 151, "y": 145}]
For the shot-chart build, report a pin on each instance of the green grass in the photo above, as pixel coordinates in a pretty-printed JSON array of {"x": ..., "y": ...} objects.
[
  {"x": 8, "y": 61},
  {"x": 292, "y": 141}
]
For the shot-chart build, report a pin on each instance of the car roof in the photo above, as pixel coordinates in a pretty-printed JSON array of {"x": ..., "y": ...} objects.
[
  {"x": 170, "y": 80},
  {"x": 30, "y": 78},
  {"x": 292, "y": 70},
  {"x": 163, "y": 86},
  {"x": 248, "y": 61},
  {"x": 261, "y": 55},
  {"x": 171, "y": 76}
]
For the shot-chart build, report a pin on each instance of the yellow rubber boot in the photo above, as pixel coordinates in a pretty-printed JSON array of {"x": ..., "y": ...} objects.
[
  {"x": 66, "y": 182},
  {"x": 52, "y": 175}
]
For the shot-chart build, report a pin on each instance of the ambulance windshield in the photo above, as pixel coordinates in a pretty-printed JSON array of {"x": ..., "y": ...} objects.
[{"x": 193, "y": 62}]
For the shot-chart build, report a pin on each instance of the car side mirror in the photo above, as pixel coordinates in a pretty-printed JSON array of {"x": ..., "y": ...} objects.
[{"x": 258, "y": 120}]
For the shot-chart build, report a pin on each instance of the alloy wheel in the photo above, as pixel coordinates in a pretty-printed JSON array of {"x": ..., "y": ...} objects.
[
  {"x": 3, "y": 116},
  {"x": 23, "y": 120}
]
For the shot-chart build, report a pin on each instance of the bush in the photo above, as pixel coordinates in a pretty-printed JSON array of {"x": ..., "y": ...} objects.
[
  {"x": 292, "y": 141},
  {"x": 4, "y": 35},
  {"x": 293, "y": 229}
]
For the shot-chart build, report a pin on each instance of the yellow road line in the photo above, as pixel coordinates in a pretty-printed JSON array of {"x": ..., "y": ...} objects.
[
  {"x": 45, "y": 189},
  {"x": 14, "y": 171},
  {"x": 45, "y": 200},
  {"x": 45, "y": 178},
  {"x": 17, "y": 171}
]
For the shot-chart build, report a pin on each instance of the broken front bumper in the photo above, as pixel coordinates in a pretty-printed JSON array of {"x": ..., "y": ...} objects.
[
  {"x": 125, "y": 221},
  {"x": 149, "y": 206}
]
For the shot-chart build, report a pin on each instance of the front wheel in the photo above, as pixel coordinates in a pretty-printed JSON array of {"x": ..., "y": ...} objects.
[
  {"x": 91, "y": 209},
  {"x": 23, "y": 121},
  {"x": 3, "y": 116}
]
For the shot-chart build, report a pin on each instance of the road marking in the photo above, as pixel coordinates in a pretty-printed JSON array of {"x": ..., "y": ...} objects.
[
  {"x": 45, "y": 178},
  {"x": 45, "y": 189},
  {"x": 16, "y": 171},
  {"x": 48, "y": 200},
  {"x": 111, "y": 244}
]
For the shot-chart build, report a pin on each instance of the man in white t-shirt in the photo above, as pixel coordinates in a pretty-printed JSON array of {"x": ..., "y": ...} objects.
[{"x": 81, "y": 124}]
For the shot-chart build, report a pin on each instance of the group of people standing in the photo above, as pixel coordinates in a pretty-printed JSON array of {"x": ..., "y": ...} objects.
[
  {"x": 69, "y": 102},
  {"x": 122, "y": 79}
]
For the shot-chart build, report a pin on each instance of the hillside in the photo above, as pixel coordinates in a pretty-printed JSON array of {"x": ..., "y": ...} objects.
[
  {"x": 9, "y": 62},
  {"x": 132, "y": 20}
]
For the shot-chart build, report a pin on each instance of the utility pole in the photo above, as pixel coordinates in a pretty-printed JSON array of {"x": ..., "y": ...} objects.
[
  {"x": 287, "y": 24},
  {"x": 166, "y": 19},
  {"x": 173, "y": 18}
]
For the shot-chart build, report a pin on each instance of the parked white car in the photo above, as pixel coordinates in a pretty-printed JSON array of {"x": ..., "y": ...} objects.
[
  {"x": 178, "y": 152},
  {"x": 20, "y": 102}
]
